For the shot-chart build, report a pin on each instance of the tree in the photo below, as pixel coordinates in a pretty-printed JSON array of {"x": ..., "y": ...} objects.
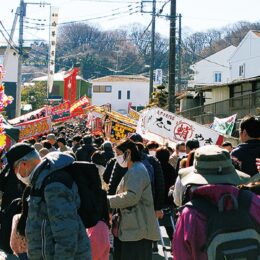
[{"x": 35, "y": 95}]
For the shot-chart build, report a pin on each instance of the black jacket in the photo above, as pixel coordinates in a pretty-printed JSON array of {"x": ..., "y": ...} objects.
[
  {"x": 109, "y": 154},
  {"x": 158, "y": 183},
  {"x": 12, "y": 189},
  {"x": 108, "y": 171},
  {"x": 246, "y": 155},
  {"x": 116, "y": 176},
  {"x": 85, "y": 152}
]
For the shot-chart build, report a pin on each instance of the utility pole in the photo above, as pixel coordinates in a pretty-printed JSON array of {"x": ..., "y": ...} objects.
[
  {"x": 172, "y": 55},
  {"x": 20, "y": 59},
  {"x": 152, "y": 48},
  {"x": 179, "y": 55}
]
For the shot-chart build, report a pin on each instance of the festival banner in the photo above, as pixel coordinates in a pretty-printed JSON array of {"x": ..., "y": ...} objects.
[
  {"x": 61, "y": 111},
  {"x": 39, "y": 113},
  {"x": 119, "y": 131},
  {"x": 53, "y": 38},
  {"x": 34, "y": 128},
  {"x": 133, "y": 113},
  {"x": 224, "y": 125},
  {"x": 78, "y": 107},
  {"x": 165, "y": 127},
  {"x": 70, "y": 85}
]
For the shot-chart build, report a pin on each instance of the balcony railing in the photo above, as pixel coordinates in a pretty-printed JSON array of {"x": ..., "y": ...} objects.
[{"x": 242, "y": 105}]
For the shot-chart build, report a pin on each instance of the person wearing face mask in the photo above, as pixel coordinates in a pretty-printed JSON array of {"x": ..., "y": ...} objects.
[
  {"x": 152, "y": 146},
  {"x": 134, "y": 200},
  {"x": 53, "y": 228}
]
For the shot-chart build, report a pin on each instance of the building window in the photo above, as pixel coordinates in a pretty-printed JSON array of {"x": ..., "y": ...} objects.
[
  {"x": 128, "y": 94},
  {"x": 241, "y": 72},
  {"x": 119, "y": 94},
  {"x": 217, "y": 77},
  {"x": 102, "y": 89}
]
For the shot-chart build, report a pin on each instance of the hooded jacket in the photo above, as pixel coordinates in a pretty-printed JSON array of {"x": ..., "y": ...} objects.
[
  {"x": 54, "y": 229},
  {"x": 190, "y": 235},
  {"x": 246, "y": 154}
]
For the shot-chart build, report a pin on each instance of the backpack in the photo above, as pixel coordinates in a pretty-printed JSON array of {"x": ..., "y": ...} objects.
[
  {"x": 231, "y": 234},
  {"x": 86, "y": 176}
]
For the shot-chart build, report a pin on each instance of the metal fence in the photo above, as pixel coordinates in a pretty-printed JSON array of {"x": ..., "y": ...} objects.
[{"x": 242, "y": 105}]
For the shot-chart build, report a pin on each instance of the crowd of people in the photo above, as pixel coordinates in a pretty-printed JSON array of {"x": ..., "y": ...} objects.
[{"x": 210, "y": 192}]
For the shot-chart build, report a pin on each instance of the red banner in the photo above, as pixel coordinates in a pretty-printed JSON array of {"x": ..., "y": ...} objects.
[
  {"x": 77, "y": 108},
  {"x": 70, "y": 85},
  {"x": 34, "y": 128}
]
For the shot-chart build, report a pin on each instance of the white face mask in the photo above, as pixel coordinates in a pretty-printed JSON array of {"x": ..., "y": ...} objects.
[
  {"x": 25, "y": 180},
  {"x": 181, "y": 155},
  {"x": 153, "y": 153},
  {"x": 122, "y": 161}
]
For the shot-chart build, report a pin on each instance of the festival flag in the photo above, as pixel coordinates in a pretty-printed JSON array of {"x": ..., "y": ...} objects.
[
  {"x": 224, "y": 125},
  {"x": 77, "y": 107},
  {"x": 70, "y": 85}
]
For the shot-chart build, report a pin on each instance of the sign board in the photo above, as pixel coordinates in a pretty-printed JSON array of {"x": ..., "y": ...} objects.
[{"x": 163, "y": 126}]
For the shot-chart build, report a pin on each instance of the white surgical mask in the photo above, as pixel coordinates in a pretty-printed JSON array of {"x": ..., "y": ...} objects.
[
  {"x": 153, "y": 153},
  {"x": 25, "y": 180},
  {"x": 121, "y": 161},
  {"x": 181, "y": 155}
]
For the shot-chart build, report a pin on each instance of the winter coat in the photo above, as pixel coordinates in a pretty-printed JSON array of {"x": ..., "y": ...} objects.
[
  {"x": 117, "y": 174},
  {"x": 12, "y": 189},
  {"x": 135, "y": 201},
  {"x": 190, "y": 235},
  {"x": 54, "y": 229},
  {"x": 246, "y": 154},
  {"x": 158, "y": 183},
  {"x": 109, "y": 169},
  {"x": 169, "y": 180},
  {"x": 108, "y": 154},
  {"x": 85, "y": 152}
]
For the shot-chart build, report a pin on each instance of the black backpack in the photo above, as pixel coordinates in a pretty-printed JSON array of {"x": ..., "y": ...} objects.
[
  {"x": 86, "y": 176},
  {"x": 231, "y": 234}
]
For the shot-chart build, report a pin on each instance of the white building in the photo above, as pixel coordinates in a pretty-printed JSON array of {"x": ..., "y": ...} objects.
[
  {"x": 121, "y": 91},
  {"x": 245, "y": 61},
  {"x": 213, "y": 69}
]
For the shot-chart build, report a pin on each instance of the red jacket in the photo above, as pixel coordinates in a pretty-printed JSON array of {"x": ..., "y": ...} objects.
[{"x": 190, "y": 235}]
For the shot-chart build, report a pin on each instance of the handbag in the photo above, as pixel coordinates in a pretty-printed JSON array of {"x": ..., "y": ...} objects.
[{"x": 115, "y": 223}]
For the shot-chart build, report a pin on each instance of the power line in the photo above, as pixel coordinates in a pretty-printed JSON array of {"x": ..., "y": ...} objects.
[{"x": 12, "y": 44}]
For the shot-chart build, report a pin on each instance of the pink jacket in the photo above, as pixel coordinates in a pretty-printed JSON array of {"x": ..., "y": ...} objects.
[
  {"x": 190, "y": 235},
  {"x": 99, "y": 241}
]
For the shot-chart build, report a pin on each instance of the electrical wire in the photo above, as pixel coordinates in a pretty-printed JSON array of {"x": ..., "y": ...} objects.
[{"x": 12, "y": 44}]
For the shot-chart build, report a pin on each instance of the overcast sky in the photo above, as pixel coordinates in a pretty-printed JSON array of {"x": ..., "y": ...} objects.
[{"x": 198, "y": 15}]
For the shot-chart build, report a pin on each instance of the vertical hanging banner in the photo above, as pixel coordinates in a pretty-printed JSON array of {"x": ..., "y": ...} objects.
[
  {"x": 53, "y": 38},
  {"x": 70, "y": 85}
]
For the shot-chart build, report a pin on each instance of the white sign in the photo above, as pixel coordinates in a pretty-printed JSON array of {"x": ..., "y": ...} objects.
[
  {"x": 158, "y": 79},
  {"x": 53, "y": 37},
  {"x": 165, "y": 127}
]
